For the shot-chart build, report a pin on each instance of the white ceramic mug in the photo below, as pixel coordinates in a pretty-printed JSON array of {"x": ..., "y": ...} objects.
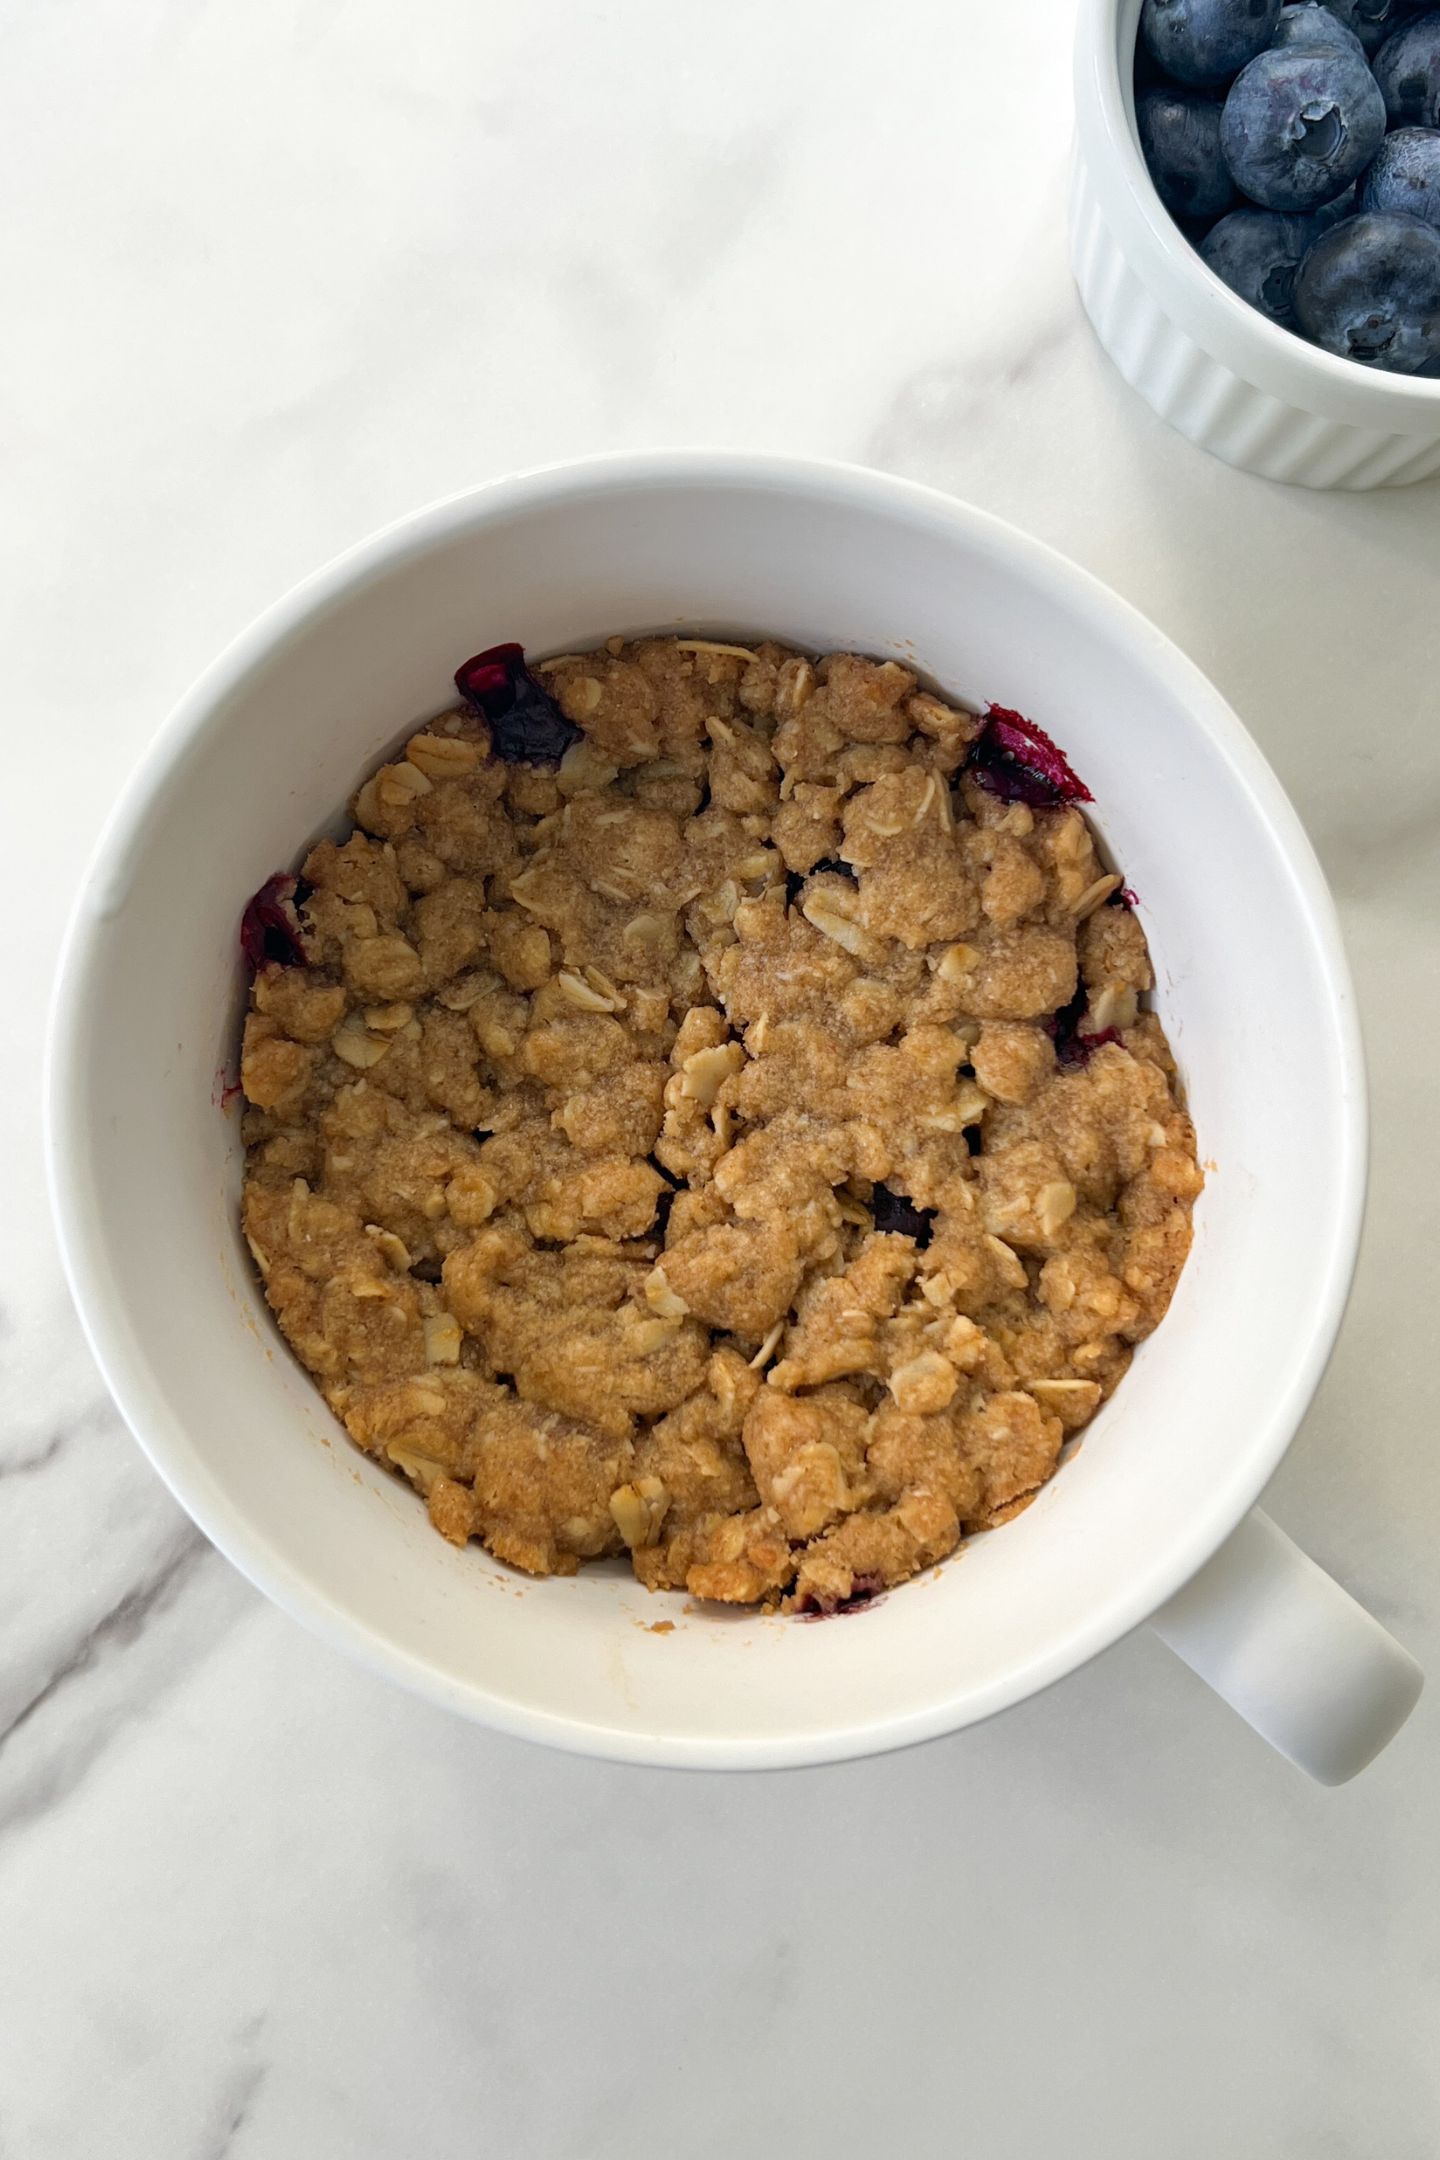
[{"x": 1150, "y": 1519}]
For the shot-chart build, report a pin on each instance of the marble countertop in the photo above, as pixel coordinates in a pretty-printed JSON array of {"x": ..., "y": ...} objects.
[{"x": 276, "y": 273}]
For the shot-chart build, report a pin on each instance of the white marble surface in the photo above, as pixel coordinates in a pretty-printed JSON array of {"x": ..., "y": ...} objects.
[{"x": 277, "y": 271}]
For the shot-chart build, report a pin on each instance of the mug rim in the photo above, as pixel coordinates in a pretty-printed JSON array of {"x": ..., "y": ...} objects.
[{"x": 122, "y": 1360}]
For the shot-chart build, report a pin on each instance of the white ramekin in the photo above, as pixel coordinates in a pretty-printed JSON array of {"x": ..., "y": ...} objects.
[
  {"x": 1150, "y": 1516},
  {"x": 1212, "y": 366}
]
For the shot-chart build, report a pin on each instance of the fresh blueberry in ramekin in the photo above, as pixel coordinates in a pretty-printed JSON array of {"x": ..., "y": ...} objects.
[
  {"x": 1407, "y": 68},
  {"x": 1375, "y": 20},
  {"x": 1297, "y": 127},
  {"x": 1369, "y": 289},
  {"x": 1405, "y": 176},
  {"x": 1205, "y": 41},
  {"x": 1257, "y": 253},
  {"x": 1315, "y": 29},
  {"x": 1180, "y": 136}
]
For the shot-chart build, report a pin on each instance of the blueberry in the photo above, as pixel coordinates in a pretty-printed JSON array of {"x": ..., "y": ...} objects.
[
  {"x": 1370, "y": 290},
  {"x": 527, "y": 727},
  {"x": 1205, "y": 41},
  {"x": 1180, "y": 136},
  {"x": 1297, "y": 126},
  {"x": 1374, "y": 20},
  {"x": 1015, "y": 759},
  {"x": 1072, "y": 1049},
  {"x": 1316, "y": 29},
  {"x": 1406, "y": 175},
  {"x": 899, "y": 1216},
  {"x": 270, "y": 925},
  {"x": 1147, "y": 68},
  {"x": 1407, "y": 68},
  {"x": 1257, "y": 253},
  {"x": 1346, "y": 11}
]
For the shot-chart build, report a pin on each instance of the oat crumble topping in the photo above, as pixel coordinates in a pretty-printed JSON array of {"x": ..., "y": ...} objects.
[{"x": 743, "y": 1144}]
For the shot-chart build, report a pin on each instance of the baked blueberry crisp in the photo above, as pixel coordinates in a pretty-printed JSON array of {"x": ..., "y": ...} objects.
[{"x": 709, "y": 1110}]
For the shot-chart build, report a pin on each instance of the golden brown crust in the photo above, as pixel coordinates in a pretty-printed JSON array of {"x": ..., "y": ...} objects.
[{"x": 563, "y": 1146}]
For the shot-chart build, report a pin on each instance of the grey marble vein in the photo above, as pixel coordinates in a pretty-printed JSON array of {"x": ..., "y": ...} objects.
[
  {"x": 37, "y": 1777},
  {"x": 120, "y": 1626},
  {"x": 31, "y": 1445},
  {"x": 236, "y": 2100},
  {"x": 37, "y": 1457},
  {"x": 932, "y": 411}
]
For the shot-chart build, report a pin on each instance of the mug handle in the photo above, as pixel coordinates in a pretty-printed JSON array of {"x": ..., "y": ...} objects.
[{"x": 1292, "y": 1652}]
